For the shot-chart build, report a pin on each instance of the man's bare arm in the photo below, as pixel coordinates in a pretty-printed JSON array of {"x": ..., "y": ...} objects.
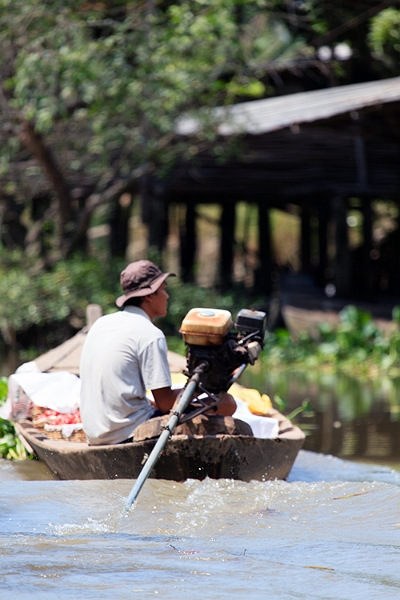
[{"x": 165, "y": 398}]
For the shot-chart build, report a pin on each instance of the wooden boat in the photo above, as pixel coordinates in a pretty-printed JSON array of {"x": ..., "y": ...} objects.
[
  {"x": 304, "y": 307},
  {"x": 206, "y": 446},
  {"x": 216, "y": 447}
]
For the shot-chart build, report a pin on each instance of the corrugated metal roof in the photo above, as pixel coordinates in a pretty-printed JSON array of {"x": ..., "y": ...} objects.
[{"x": 271, "y": 114}]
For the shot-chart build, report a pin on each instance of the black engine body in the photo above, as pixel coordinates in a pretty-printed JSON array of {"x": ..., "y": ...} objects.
[{"x": 240, "y": 346}]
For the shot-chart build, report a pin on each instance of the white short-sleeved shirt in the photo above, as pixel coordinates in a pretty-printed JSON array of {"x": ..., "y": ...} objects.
[{"x": 123, "y": 355}]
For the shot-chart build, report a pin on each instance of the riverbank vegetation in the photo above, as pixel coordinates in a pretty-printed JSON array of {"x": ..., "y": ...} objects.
[
  {"x": 54, "y": 304},
  {"x": 353, "y": 366},
  {"x": 356, "y": 347}
]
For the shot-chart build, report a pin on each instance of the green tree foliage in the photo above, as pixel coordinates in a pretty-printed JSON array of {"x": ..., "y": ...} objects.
[
  {"x": 384, "y": 38},
  {"x": 62, "y": 294},
  {"x": 92, "y": 92},
  {"x": 54, "y": 296},
  {"x": 368, "y": 28}
]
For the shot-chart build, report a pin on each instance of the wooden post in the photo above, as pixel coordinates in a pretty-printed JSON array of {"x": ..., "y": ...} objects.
[
  {"x": 305, "y": 240},
  {"x": 393, "y": 284},
  {"x": 93, "y": 312},
  {"x": 158, "y": 224},
  {"x": 119, "y": 225},
  {"x": 155, "y": 211},
  {"x": 367, "y": 280},
  {"x": 342, "y": 256},
  {"x": 263, "y": 275},
  {"x": 227, "y": 241},
  {"x": 188, "y": 243},
  {"x": 323, "y": 218}
]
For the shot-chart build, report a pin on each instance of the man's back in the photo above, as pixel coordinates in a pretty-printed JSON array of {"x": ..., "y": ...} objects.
[{"x": 124, "y": 355}]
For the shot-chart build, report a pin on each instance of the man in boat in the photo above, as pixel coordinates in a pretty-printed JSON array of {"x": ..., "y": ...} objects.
[{"x": 124, "y": 355}]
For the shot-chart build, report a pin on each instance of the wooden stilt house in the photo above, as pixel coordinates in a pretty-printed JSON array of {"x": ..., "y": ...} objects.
[{"x": 324, "y": 152}]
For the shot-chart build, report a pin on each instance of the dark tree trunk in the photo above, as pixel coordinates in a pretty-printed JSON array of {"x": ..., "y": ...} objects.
[{"x": 34, "y": 142}]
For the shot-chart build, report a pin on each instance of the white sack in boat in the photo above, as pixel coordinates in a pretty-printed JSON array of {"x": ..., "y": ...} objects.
[
  {"x": 58, "y": 391},
  {"x": 262, "y": 427}
]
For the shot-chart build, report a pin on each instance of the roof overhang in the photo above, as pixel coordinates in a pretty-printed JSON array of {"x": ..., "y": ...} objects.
[{"x": 271, "y": 114}]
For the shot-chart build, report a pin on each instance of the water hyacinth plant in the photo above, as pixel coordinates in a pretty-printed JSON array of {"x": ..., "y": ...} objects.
[
  {"x": 11, "y": 446},
  {"x": 356, "y": 346}
]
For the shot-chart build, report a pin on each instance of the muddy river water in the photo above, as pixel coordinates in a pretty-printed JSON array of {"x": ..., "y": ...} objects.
[{"x": 331, "y": 531}]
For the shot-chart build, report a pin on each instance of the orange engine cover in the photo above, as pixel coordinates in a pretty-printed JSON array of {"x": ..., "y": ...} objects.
[{"x": 206, "y": 326}]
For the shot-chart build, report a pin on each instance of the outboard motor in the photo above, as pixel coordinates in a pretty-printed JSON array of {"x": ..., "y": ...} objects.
[{"x": 221, "y": 346}]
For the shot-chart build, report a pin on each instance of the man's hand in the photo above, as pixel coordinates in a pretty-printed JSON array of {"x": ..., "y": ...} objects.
[{"x": 227, "y": 405}]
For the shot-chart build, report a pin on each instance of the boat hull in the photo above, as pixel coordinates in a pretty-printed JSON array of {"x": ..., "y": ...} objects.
[{"x": 240, "y": 457}]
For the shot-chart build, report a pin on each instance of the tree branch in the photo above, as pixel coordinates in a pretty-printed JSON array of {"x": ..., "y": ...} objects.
[
  {"x": 34, "y": 142},
  {"x": 93, "y": 202}
]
